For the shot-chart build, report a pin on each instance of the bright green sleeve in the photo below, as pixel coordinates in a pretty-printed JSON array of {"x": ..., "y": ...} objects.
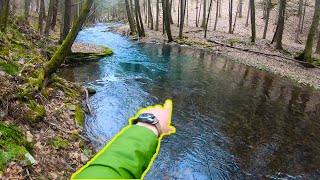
[{"x": 127, "y": 157}]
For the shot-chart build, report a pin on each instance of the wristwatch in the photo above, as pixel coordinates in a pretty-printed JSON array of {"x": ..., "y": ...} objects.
[{"x": 150, "y": 119}]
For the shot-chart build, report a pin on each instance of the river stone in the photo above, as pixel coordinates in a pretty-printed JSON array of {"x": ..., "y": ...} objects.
[{"x": 84, "y": 158}]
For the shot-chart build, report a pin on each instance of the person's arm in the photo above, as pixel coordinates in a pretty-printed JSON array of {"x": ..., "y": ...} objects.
[
  {"x": 127, "y": 157},
  {"x": 131, "y": 151}
]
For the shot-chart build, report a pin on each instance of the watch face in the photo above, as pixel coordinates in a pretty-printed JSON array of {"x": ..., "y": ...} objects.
[{"x": 147, "y": 115}]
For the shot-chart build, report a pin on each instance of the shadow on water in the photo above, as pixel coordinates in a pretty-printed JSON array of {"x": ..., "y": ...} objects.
[{"x": 233, "y": 121}]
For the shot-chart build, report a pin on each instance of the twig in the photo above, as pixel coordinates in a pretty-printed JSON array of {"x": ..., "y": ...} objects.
[
  {"x": 66, "y": 131},
  {"x": 262, "y": 53},
  {"x": 86, "y": 93},
  {"x": 28, "y": 174}
]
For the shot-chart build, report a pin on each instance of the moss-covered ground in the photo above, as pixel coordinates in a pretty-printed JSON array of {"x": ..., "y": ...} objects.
[{"x": 35, "y": 124}]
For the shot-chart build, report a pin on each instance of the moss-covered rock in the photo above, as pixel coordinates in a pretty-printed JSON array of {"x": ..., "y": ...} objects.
[
  {"x": 83, "y": 56},
  {"x": 91, "y": 90},
  {"x": 79, "y": 116}
]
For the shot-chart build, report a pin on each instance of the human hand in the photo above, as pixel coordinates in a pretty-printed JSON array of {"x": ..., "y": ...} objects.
[{"x": 163, "y": 114}]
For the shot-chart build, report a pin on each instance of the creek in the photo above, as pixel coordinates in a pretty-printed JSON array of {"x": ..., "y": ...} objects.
[{"x": 233, "y": 121}]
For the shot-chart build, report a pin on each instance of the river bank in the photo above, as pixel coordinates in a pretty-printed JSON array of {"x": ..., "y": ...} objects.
[
  {"x": 235, "y": 47},
  {"x": 41, "y": 128}
]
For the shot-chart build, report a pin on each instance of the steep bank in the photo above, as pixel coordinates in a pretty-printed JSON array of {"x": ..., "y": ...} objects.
[{"x": 41, "y": 131}]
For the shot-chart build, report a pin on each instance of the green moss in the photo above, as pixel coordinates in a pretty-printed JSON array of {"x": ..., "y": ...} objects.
[
  {"x": 79, "y": 116},
  {"x": 37, "y": 78},
  {"x": 75, "y": 135},
  {"x": 232, "y": 41},
  {"x": 91, "y": 90},
  {"x": 13, "y": 145},
  {"x": 10, "y": 67},
  {"x": 36, "y": 113},
  {"x": 60, "y": 143}
]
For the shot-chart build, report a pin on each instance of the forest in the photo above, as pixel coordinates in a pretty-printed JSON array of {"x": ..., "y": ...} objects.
[{"x": 43, "y": 113}]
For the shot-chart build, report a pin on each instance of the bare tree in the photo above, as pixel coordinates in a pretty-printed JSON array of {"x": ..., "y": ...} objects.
[
  {"x": 280, "y": 26},
  {"x": 157, "y": 16},
  {"x": 253, "y": 21},
  {"x": 41, "y": 16},
  {"x": 267, "y": 19},
  {"x": 217, "y": 14},
  {"x": 65, "y": 49},
  {"x": 166, "y": 19},
  {"x": 5, "y": 8},
  {"x": 204, "y": 13},
  {"x": 307, "y": 53},
  {"x": 206, "y": 27},
  {"x": 49, "y": 18},
  {"x": 300, "y": 21},
  {"x": 182, "y": 16},
  {"x": 230, "y": 15},
  {"x": 131, "y": 24},
  {"x": 240, "y": 8},
  {"x": 248, "y": 15},
  {"x": 139, "y": 19},
  {"x": 66, "y": 20},
  {"x": 55, "y": 14},
  {"x": 26, "y": 9},
  {"x": 318, "y": 44},
  {"x": 150, "y": 18}
]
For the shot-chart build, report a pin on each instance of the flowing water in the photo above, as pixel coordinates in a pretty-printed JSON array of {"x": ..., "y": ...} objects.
[{"x": 232, "y": 121}]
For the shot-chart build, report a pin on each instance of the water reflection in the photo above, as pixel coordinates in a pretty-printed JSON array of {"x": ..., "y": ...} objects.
[{"x": 233, "y": 121}]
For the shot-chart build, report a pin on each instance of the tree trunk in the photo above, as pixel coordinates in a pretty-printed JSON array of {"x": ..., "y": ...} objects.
[
  {"x": 157, "y": 16},
  {"x": 240, "y": 8},
  {"x": 170, "y": 12},
  {"x": 267, "y": 20},
  {"x": 65, "y": 49},
  {"x": 4, "y": 15},
  {"x": 303, "y": 15},
  {"x": 300, "y": 20},
  {"x": 55, "y": 14},
  {"x": 26, "y": 9},
  {"x": 131, "y": 24},
  {"x": 306, "y": 54},
  {"x": 179, "y": 7},
  {"x": 204, "y": 13},
  {"x": 248, "y": 15},
  {"x": 280, "y": 27},
  {"x": 206, "y": 27},
  {"x": 150, "y": 19},
  {"x": 253, "y": 21},
  {"x": 197, "y": 8},
  {"x": 41, "y": 16},
  {"x": 66, "y": 19},
  {"x": 217, "y": 14},
  {"x": 318, "y": 44},
  {"x": 49, "y": 18},
  {"x": 166, "y": 19},
  {"x": 230, "y": 15},
  {"x": 182, "y": 16},
  {"x": 139, "y": 19}
]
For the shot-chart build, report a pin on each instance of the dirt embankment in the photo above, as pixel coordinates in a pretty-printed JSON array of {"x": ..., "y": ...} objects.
[
  {"x": 237, "y": 46},
  {"x": 41, "y": 128}
]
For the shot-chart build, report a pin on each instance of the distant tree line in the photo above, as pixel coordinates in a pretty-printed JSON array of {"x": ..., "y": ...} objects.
[{"x": 203, "y": 11}]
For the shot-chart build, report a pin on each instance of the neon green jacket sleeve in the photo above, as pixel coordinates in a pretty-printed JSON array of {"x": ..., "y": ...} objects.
[{"x": 127, "y": 157}]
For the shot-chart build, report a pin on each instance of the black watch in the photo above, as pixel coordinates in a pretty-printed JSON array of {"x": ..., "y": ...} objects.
[{"x": 150, "y": 119}]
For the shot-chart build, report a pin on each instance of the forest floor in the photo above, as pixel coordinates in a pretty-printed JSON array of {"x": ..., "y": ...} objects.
[
  {"x": 238, "y": 46},
  {"x": 41, "y": 131}
]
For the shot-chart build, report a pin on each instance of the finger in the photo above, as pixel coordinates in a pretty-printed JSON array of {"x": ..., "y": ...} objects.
[{"x": 168, "y": 106}]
